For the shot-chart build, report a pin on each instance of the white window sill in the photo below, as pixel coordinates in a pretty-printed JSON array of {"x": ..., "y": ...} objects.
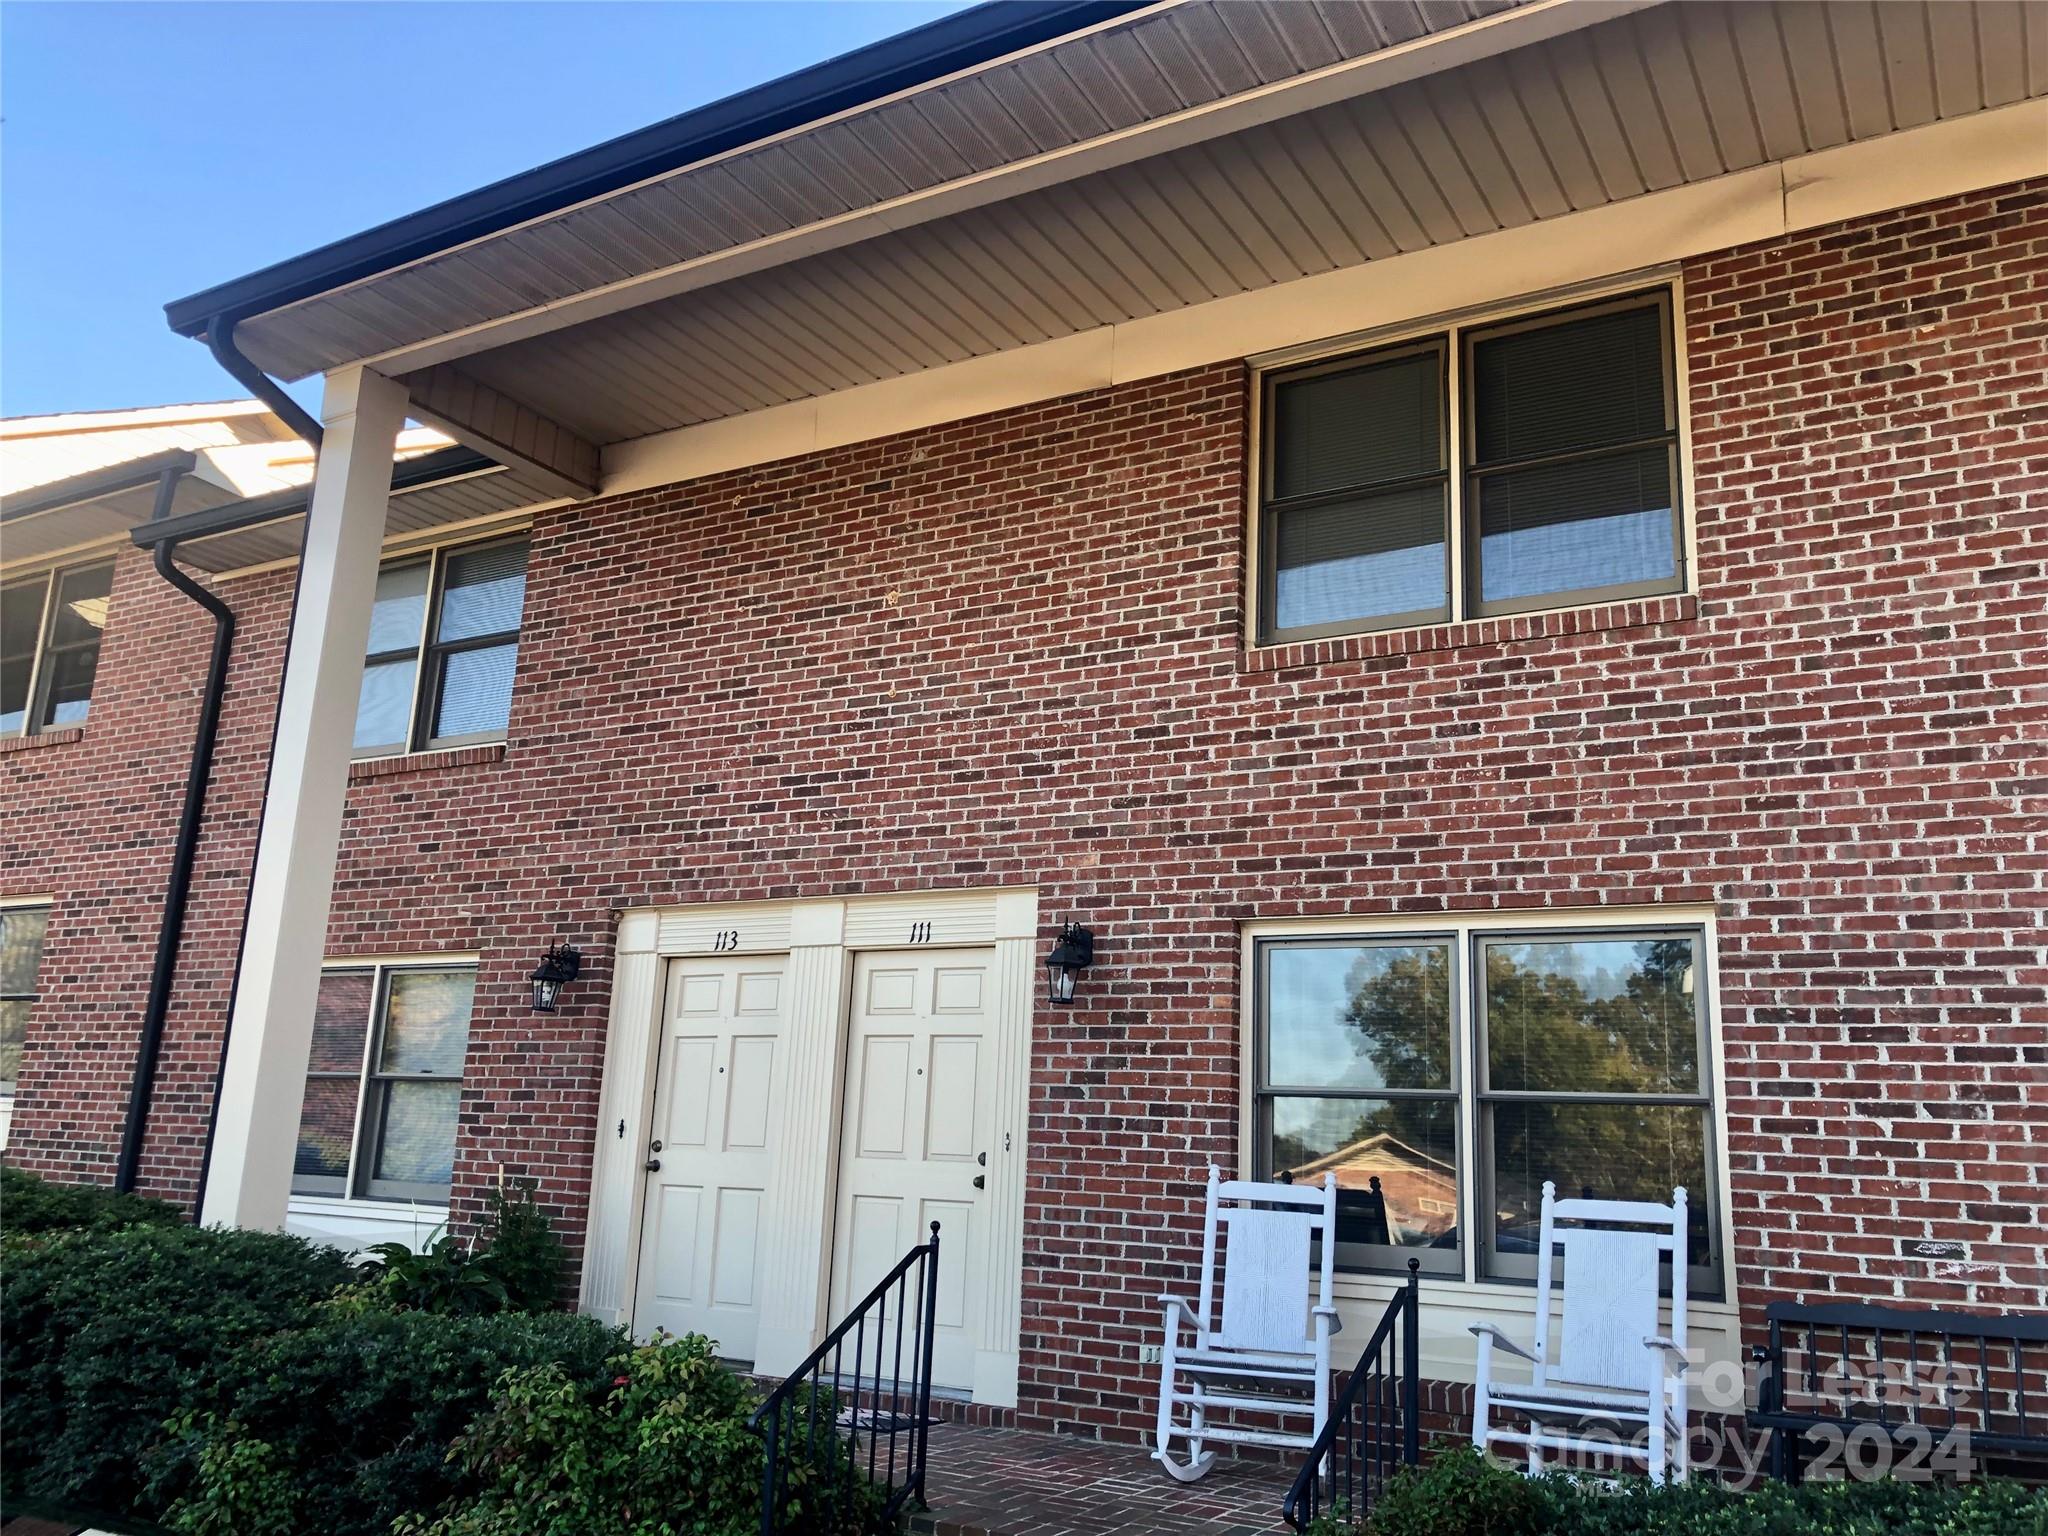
[
  {"x": 1450, "y": 1307},
  {"x": 353, "y": 1224}
]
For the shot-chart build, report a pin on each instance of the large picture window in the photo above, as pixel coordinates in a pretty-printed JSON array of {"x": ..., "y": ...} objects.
[
  {"x": 1564, "y": 430},
  {"x": 50, "y": 627},
  {"x": 384, "y": 1082},
  {"x": 444, "y": 643},
  {"x": 1445, "y": 1077}
]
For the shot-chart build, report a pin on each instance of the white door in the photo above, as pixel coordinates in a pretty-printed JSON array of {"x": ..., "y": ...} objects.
[
  {"x": 714, "y": 1113},
  {"x": 919, "y": 1092}
]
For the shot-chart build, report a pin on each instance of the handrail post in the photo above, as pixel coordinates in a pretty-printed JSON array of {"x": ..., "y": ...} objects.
[
  {"x": 768, "y": 1468},
  {"x": 924, "y": 1385},
  {"x": 1411, "y": 1368}
]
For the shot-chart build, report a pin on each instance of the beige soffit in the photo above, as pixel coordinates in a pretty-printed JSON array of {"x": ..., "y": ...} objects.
[
  {"x": 1987, "y": 149},
  {"x": 1690, "y": 93},
  {"x": 44, "y": 450},
  {"x": 1195, "y": 68}
]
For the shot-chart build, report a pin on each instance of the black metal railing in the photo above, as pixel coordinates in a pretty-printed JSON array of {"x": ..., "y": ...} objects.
[
  {"x": 846, "y": 1431},
  {"x": 1375, "y": 1424},
  {"x": 1967, "y": 1383}
]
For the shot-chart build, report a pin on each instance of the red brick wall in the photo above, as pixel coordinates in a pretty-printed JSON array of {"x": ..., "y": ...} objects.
[
  {"x": 1009, "y": 651},
  {"x": 88, "y": 818}
]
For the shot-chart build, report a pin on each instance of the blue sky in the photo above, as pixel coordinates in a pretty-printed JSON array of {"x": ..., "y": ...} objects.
[{"x": 151, "y": 150}]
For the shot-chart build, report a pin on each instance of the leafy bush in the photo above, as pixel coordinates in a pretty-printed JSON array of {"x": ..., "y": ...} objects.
[
  {"x": 104, "y": 1335},
  {"x": 346, "y": 1424},
  {"x": 1460, "y": 1493},
  {"x": 224, "y": 1382},
  {"x": 445, "y": 1276},
  {"x": 515, "y": 1263},
  {"x": 524, "y": 1252},
  {"x": 30, "y": 1204},
  {"x": 665, "y": 1451}
]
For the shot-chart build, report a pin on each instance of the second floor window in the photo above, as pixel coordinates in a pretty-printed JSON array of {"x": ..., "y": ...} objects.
[
  {"x": 50, "y": 629},
  {"x": 1491, "y": 469},
  {"x": 444, "y": 642}
]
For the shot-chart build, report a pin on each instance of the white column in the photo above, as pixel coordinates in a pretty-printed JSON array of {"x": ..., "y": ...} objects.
[
  {"x": 997, "y": 1360},
  {"x": 271, "y": 1033},
  {"x": 611, "y": 1241},
  {"x": 797, "y": 1215}
]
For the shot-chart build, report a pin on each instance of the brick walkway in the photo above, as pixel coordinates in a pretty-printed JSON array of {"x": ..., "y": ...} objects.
[{"x": 1010, "y": 1482}]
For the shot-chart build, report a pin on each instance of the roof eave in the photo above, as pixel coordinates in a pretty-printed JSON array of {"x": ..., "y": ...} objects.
[{"x": 954, "y": 43}]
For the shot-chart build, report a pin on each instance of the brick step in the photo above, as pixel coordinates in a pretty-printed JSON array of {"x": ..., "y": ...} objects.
[{"x": 1012, "y": 1482}]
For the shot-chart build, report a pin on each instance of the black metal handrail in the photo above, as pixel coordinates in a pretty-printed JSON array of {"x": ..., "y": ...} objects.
[
  {"x": 1909, "y": 1374},
  {"x": 1375, "y": 1425},
  {"x": 811, "y": 1473}
]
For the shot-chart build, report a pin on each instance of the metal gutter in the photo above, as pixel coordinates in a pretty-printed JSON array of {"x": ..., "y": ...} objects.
[
  {"x": 428, "y": 469},
  {"x": 93, "y": 484},
  {"x": 184, "y": 849},
  {"x": 220, "y": 340},
  {"x": 947, "y": 46}
]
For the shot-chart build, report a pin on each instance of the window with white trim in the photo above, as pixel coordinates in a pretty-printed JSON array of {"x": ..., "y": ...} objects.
[
  {"x": 443, "y": 647},
  {"x": 384, "y": 1082},
  {"x": 1492, "y": 468},
  {"x": 21, "y": 957},
  {"x": 50, "y": 627},
  {"x": 1443, "y": 1077}
]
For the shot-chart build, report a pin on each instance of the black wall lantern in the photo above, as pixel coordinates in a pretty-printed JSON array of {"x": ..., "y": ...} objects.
[
  {"x": 1074, "y": 953},
  {"x": 559, "y": 965}
]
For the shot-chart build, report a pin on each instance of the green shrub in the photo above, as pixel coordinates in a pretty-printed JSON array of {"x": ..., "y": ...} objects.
[
  {"x": 665, "y": 1450},
  {"x": 523, "y": 1250},
  {"x": 245, "y": 1487},
  {"x": 515, "y": 1263},
  {"x": 31, "y": 1204},
  {"x": 1986, "y": 1507},
  {"x": 104, "y": 1335},
  {"x": 1460, "y": 1493},
  {"x": 445, "y": 1276},
  {"x": 355, "y": 1415}
]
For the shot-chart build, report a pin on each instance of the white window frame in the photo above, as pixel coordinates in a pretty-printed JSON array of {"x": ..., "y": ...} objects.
[
  {"x": 357, "y": 1187},
  {"x": 1462, "y": 929},
  {"x": 1454, "y": 327},
  {"x": 36, "y": 706},
  {"x": 427, "y": 655}
]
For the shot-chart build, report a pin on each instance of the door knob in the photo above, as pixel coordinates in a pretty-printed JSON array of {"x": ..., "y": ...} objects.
[
  {"x": 654, "y": 1165},
  {"x": 981, "y": 1181}
]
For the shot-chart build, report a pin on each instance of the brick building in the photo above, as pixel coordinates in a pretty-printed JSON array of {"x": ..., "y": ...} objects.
[{"x": 1521, "y": 629}]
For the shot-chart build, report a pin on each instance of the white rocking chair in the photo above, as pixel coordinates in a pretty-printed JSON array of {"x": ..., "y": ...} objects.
[
  {"x": 1612, "y": 1364},
  {"x": 1263, "y": 1333}
]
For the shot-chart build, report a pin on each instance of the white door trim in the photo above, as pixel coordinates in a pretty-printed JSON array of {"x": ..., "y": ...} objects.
[{"x": 820, "y": 938}]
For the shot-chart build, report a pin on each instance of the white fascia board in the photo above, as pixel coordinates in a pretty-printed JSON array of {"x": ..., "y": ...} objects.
[
  {"x": 125, "y": 420},
  {"x": 1968, "y": 154},
  {"x": 1490, "y": 35}
]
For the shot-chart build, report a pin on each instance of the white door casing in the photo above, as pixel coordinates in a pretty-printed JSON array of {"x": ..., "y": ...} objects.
[
  {"x": 820, "y": 942},
  {"x": 715, "y": 1107},
  {"x": 916, "y": 1137}
]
